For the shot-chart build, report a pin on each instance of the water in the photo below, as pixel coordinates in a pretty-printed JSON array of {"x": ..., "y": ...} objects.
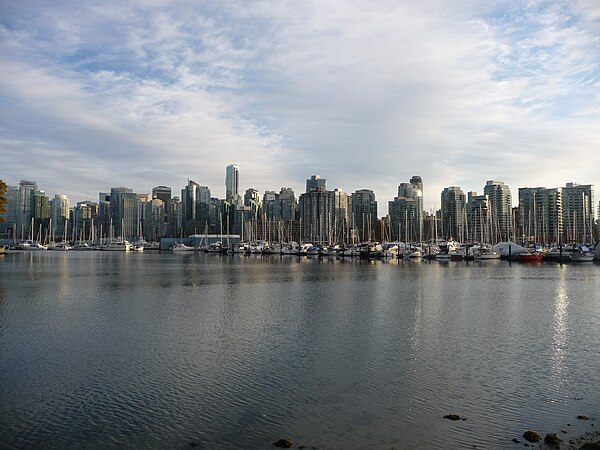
[{"x": 104, "y": 350}]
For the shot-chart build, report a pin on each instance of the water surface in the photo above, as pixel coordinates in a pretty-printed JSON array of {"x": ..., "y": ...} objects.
[{"x": 162, "y": 350}]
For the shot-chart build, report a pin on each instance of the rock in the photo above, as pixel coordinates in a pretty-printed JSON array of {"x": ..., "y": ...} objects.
[
  {"x": 590, "y": 446},
  {"x": 283, "y": 443},
  {"x": 532, "y": 436},
  {"x": 452, "y": 417},
  {"x": 552, "y": 439},
  {"x": 583, "y": 418},
  {"x": 194, "y": 444},
  {"x": 563, "y": 431},
  {"x": 516, "y": 441}
]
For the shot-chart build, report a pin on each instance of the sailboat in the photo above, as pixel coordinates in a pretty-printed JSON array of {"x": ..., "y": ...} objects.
[{"x": 119, "y": 245}]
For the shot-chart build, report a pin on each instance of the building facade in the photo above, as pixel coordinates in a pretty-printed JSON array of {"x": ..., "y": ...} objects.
[
  {"x": 500, "y": 200},
  {"x": 454, "y": 214}
]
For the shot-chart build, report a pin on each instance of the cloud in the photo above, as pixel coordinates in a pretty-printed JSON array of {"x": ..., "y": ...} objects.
[{"x": 365, "y": 94}]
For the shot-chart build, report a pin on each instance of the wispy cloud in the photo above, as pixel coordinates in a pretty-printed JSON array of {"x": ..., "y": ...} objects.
[{"x": 365, "y": 94}]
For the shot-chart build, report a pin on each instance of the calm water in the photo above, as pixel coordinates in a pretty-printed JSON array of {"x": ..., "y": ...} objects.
[{"x": 160, "y": 350}]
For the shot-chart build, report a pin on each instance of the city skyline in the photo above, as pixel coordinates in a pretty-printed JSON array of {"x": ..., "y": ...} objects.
[{"x": 98, "y": 95}]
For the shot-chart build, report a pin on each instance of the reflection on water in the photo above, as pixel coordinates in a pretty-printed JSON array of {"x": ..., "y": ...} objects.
[
  {"x": 560, "y": 329},
  {"x": 161, "y": 350}
]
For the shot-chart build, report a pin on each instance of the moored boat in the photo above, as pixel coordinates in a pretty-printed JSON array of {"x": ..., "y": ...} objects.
[
  {"x": 116, "y": 246},
  {"x": 582, "y": 254},
  {"x": 530, "y": 255}
]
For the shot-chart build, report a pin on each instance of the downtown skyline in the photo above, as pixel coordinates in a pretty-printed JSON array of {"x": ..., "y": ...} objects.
[{"x": 96, "y": 95}]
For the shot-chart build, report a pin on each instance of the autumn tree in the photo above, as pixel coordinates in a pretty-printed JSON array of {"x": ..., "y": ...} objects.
[{"x": 3, "y": 201}]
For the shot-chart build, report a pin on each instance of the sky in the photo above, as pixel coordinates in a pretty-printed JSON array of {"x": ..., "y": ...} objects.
[{"x": 98, "y": 94}]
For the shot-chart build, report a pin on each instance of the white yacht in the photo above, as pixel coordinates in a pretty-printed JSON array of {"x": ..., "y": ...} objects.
[
  {"x": 485, "y": 252},
  {"x": 59, "y": 246},
  {"x": 180, "y": 247},
  {"x": 31, "y": 246},
  {"x": 116, "y": 246}
]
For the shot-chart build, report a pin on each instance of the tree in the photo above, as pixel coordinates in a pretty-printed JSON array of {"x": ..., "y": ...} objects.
[{"x": 3, "y": 201}]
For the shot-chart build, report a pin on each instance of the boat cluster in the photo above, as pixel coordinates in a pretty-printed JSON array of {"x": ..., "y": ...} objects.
[
  {"x": 438, "y": 250},
  {"x": 118, "y": 245},
  {"x": 435, "y": 250}
]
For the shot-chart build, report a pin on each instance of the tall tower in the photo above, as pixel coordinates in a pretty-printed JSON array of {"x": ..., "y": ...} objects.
[
  {"x": 454, "y": 213},
  {"x": 232, "y": 181},
  {"x": 364, "y": 213},
  {"x": 417, "y": 183},
  {"x": 500, "y": 200}
]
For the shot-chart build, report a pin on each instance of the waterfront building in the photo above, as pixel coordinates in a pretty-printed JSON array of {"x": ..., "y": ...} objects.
[
  {"x": 123, "y": 212},
  {"x": 162, "y": 193},
  {"x": 578, "y": 212},
  {"x": 271, "y": 206},
  {"x": 288, "y": 204},
  {"x": 478, "y": 217},
  {"x": 322, "y": 212},
  {"x": 316, "y": 184},
  {"x": 253, "y": 200},
  {"x": 203, "y": 207},
  {"x": 406, "y": 211},
  {"x": 59, "y": 213},
  {"x": 364, "y": 213},
  {"x": 85, "y": 214},
  {"x": 500, "y": 202},
  {"x": 154, "y": 222},
  {"x": 40, "y": 210},
  {"x": 540, "y": 215},
  {"x": 527, "y": 220},
  {"x": 174, "y": 213},
  {"x": 189, "y": 200},
  {"x": 454, "y": 214},
  {"x": 23, "y": 207},
  {"x": 232, "y": 181},
  {"x": 104, "y": 215}
]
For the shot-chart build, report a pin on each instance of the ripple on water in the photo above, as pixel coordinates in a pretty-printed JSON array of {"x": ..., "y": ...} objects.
[{"x": 158, "y": 351}]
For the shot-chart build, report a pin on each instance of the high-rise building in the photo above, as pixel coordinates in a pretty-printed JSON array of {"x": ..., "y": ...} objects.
[
  {"x": 478, "y": 218},
  {"x": 578, "y": 212},
  {"x": 316, "y": 184},
  {"x": 288, "y": 204},
  {"x": 540, "y": 215},
  {"x": 189, "y": 200},
  {"x": 271, "y": 206},
  {"x": 323, "y": 214},
  {"x": 203, "y": 206},
  {"x": 85, "y": 214},
  {"x": 162, "y": 193},
  {"x": 59, "y": 212},
  {"x": 454, "y": 214},
  {"x": 252, "y": 199},
  {"x": 406, "y": 211},
  {"x": 528, "y": 220},
  {"x": 232, "y": 181},
  {"x": 154, "y": 222},
  {"x": 500, "y": 200},
  {"x": 123, "y": 212},
  {"x": 23, "y": 212},
  {"x": 364, "y": 213}
]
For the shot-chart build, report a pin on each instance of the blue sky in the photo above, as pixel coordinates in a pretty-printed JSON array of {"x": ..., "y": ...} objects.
[{"x": 366, "y": 94}]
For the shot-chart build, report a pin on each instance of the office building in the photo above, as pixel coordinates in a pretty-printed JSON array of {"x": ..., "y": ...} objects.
[
  {"x": 500, "y": 201},
  {"x": 364, "y": 213},
  {"x": 232, "y": 181},
  {"x": 578, "y": 212},
  {"x": 406, "y": 211},
  {"x": 454, "y": 214},
  {"x": 59, "y": 212}
]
